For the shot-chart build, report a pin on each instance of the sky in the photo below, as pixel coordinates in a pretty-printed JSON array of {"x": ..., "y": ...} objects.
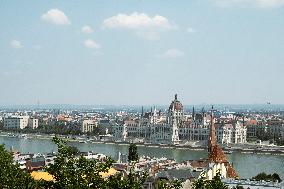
[{"x": 141, "y": 52}]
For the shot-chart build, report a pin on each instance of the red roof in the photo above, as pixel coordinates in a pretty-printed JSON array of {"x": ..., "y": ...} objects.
[
  {"x": 231, "y": 173},
  {"x": 217, "y": 155}
]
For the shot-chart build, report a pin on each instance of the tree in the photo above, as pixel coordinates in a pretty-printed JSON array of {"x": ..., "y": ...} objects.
[
  {"x": 74, "y": 150},
  {"x": 1, "y": 125},
  {"x": 70, "y": 171},
  {"x": 263, "y": 176},
  {"x": 175, "y": 184},
  {"x": 11, "y": 176},
  {"x": 215, "y": 183},
  {"x": 133, "y": 180},
  {"x": 132, "y": 153},
  {"x": 275, "y": 177},
  {"x": 96, "y": 130}
]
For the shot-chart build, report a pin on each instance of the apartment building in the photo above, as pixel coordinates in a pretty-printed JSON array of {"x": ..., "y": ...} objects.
[{"x": 88, "y": 125}]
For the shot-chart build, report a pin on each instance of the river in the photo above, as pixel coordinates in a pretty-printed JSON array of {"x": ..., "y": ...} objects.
[{"x": 247, "y": 165}]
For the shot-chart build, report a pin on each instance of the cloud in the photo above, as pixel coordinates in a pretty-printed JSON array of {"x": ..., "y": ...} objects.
[
  {"x": 56, "y": 16},
  {"x": 145, "y": 26},
  {"x": 87, "y": 29},
  {"x": 172, "y": 53},
  {"x": 138, "y": 21},
  {"x": 257, "y": 3},
  {"x": 16, "y": 44},
  {"x": 89, "y": 43}
]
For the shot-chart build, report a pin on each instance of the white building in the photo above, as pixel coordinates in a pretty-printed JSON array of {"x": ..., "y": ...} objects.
[
  {"x": 175, "y": 128},
  {"x": 88, "y": 126},
  {"x": 33, "y": 123},
  {"x": 16, "y": 122},
  {"x": 152, "y": 126},
  {"x": 231, "y": 133}
]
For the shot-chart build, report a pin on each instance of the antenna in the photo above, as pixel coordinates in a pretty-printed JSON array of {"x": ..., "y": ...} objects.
[
  {"x": 193, "y": 113},
  {"x": 38, "y": 104}
]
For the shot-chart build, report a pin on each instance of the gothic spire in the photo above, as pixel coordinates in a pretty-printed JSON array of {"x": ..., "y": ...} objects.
[{"x": 212, "y": 138}]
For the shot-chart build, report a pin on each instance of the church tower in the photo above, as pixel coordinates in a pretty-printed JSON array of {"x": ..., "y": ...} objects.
[
  {"x": 175, "y": 112},
  {"x": 175, "y": 118},
  {"x": 212, "y": 140},
  {"x": 215, "y": 153}
]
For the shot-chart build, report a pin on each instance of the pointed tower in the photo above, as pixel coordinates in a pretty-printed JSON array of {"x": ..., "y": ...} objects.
[
  {"x": 215, "y": 153},
  {"x": 175, "y": 118},
  {"x": 175, "y": 111},
  {"x": 212, "y": 140}
]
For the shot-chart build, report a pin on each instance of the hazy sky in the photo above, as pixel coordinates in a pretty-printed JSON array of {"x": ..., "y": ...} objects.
[{"x": 141, "y": 51}]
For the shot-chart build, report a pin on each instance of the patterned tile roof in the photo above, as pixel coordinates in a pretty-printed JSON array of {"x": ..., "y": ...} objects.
[{"x": 217, "y": 155}]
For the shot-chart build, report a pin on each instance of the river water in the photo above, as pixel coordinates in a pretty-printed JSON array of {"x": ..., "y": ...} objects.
[{"x": 247, "y": 165}]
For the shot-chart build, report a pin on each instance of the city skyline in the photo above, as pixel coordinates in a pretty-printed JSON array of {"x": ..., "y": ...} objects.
[{"x": 142, "y": 52}]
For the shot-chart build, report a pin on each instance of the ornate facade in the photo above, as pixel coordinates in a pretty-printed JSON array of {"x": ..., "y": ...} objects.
[
  {"x": 175, "y": 127},
  {"x": 154, "y": 127}
]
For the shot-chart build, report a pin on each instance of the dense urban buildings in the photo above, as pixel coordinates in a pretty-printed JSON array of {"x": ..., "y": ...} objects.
[
  {"x": 219, "y": 131},
  {"x": 172, "y": 125},
  {"x": 20, "y": 122}
]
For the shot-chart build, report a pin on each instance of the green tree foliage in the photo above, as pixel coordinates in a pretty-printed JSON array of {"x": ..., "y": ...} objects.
[
  {"x": 74, "y": 150},
  {"x": 215, "y": 183},
  {"x": 262, "y": 135},
  {"x": 11, "y": 176},
  {"x": 162, "y": 184},
  {"x": 1, "y": 125},
  {"x": 71, "y": 171},
  {"x": 133, "y": 180},
  {"x": 267, "y": 177},
  {"x": 132, "y": 153},
  {"x": 56, "y": 128}
]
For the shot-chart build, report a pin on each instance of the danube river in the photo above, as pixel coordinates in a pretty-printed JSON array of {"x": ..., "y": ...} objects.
[{"x": 247, "y": 165}]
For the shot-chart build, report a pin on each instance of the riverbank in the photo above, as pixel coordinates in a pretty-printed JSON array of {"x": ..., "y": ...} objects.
[
  {"x": 244, "y": 148},
  {"x": 247, "y": 165}
]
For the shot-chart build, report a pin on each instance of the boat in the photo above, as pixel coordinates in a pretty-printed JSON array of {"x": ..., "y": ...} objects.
[
  {"x": 24, "y": 136},
  {"x": 228, "y": 151}
]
